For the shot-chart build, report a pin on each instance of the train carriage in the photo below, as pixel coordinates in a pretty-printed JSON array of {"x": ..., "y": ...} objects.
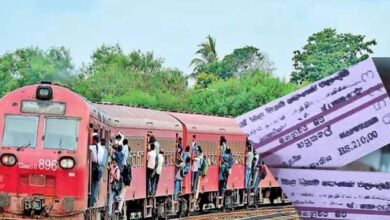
[
  {"x": 43, "y": 152},
  {"x": 208, "y": 130},
  {"x": 45, "y": 169}
]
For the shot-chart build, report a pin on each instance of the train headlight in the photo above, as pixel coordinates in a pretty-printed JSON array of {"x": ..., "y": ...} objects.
[
  {"x": 67, "y": 162},
  {"x": 8, "y": 159},
  {"x": 4, "y": 200},
  {"x": 44, "y": 92}
]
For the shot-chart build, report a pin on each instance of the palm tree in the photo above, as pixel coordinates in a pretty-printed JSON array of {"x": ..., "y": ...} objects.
[{"x": 207, "y": 53}]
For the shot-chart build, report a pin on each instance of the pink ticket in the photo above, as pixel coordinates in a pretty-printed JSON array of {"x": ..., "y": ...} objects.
[
  {"x": 329, "y": 123},
  {"x": 323, "y": 194}
]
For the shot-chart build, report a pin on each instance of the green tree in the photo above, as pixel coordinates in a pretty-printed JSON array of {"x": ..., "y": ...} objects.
[
  {"x": 218, "y": 68},
  {"x": 236, "y": 96},
  {"x": 241, "y": 60},
  {"x": 327, "y": 52},
  {"x": 136, "y": 78},
  {"x": 31, "y": 65},
  {"x": 248, "y": 58},
  {"x": 204, "y": 79},
  {"x": 207, "y": 54}
]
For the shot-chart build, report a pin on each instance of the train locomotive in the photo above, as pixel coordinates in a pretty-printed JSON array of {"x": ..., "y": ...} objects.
[{"x": 45, "y": 169}]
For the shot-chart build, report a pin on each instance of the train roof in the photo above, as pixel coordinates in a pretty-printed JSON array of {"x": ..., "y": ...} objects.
[
  {"x": 122, "y": 116},
  {"x": 207, "y": 123},
  {"x": 132, "y": 117}
]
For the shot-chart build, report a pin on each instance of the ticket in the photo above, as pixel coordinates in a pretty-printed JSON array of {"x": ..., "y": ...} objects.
[
  {"x": 325, "y": 194},
  {"x": 328, "y": 123}
]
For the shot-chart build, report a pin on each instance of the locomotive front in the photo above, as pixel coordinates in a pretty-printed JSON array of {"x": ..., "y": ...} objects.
[{"x": 43, "y": 152}]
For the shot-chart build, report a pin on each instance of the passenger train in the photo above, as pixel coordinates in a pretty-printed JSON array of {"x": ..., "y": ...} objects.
[{"x": 45, "y": 169}]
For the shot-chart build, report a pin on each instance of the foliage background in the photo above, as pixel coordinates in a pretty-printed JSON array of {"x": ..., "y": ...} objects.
[{"x": 231, "y": 85}]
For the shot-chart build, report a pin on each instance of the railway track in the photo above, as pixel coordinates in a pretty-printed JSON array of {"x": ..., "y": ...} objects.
[{"x": 275, "y": 213}]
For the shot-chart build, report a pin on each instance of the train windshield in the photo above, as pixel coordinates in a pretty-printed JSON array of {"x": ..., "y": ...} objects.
[
  {"x": 20, "y": 131},
  {"x": 61, "y": 134}
]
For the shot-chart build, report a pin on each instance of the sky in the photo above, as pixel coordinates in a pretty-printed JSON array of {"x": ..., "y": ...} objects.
[{"x": 172, "y": 29}]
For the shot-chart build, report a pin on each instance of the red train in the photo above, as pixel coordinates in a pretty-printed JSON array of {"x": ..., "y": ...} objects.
[{"x": 45, "y": 130}]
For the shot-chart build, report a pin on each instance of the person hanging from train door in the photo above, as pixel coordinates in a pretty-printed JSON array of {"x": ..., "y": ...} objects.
[
  {"x": 151, "y": 164},
  {"x": 255, "y": 169},
  {"x": 195, "y": 171},
  {"x": 119, "y": 156},
  {"x": 222, "y": 177},
  {"x": 204, "y": 167},
  {"x": 97, "y": 158},
  {"x": 228, "y": 159},
  {"x": 156, "y": 178},
  {"x": 152, "y": 140},
  {"x": 200, "y": 170},
  {"x": 115, "y": 184},
  {"x": 182, "y": 171},
  {"x": 103, "y": 144},
  {"x": 126, "y": 173},
  {"x": 262, "y": 174},
  {"x": 186, "y": 154},
  {"x": 248, "y": 167},
  {"x": 203, "y": 170}
]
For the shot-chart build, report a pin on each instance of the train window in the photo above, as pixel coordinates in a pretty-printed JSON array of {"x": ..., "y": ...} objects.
[
  {"x": 137, "y": 147},
  {"x": 43, "y": 107},
  {"x": 20, "y": 131},
  {"x": 169, "y": 147},
  {"x": 61, "y": 134}
]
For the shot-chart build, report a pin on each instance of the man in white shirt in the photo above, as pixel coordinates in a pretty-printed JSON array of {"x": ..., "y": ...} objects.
[
  {"x": 119, "y": 139},
  {"x": 125, "y": 151},
  {"x": 195, "y": 172},
  {"x": 159, "y": 168},
  {"x": 151, "y": 164},
  {"x": 248, "y": 165}
]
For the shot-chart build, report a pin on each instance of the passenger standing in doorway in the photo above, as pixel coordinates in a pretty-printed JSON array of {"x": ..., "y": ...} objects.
[
  {"x": 160, "y": 163},
  {"x": 195, "y": 171},
  {"x": 261, "y": 176},
  {"x": 127, "y": 166},
  {"x": 182, "y": 171},
  {"x": 248, "y": 168},
  {"x": 151, "y": 164},
  {"x": 255, "y": 168},
  {"x": 200, "y": 171},
  {"x": 119, "y": 157},
  {"x": 97, "y": 157},
  {"x": 186, "y": 154},
  {"x": 222, "y": 177},
  {"x": 228, "y": 159},
  {"x": 115, "y": 184}
]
